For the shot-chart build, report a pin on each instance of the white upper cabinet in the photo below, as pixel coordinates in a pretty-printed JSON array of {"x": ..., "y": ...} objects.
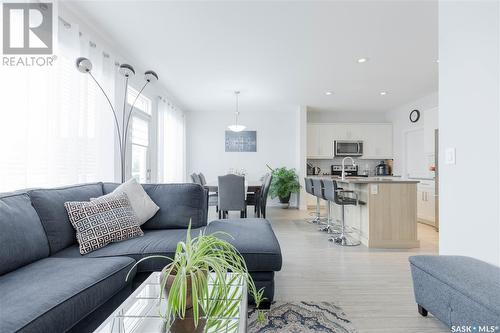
[
  {"x": 326, "y": 135},
  {"x": 320, "y": 139},
  {"x": 313, "y": 140},
  {"x": 377, "y": 139}
]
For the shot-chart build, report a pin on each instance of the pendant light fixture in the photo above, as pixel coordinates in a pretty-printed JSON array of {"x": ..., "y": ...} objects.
[{"x": 236, "y": 127}]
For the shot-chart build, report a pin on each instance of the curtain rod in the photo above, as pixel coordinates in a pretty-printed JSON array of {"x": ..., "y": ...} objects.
[{"x": 92, "y": 44}]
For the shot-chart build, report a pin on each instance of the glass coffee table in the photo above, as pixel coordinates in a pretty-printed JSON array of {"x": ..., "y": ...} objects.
[{"x": 140, "y": 312}]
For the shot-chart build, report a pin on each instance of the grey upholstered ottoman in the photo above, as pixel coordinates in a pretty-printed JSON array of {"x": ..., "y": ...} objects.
[{"x": 459, "y": 291}]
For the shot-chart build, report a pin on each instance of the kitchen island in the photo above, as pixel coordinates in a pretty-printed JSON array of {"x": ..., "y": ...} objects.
[{"x": 387, "y": 214}]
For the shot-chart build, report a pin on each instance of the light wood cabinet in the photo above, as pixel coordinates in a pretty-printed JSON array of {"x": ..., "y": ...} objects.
[
  {"x": 376, "y": 137},
  {"x": 388, "y": 217},
  {"x": 311, "y": 202}
]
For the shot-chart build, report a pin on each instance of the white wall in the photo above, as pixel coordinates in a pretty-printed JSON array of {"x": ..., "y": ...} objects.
[
  {"x": 469, "y": 122},
  {"x": 277, "y": 143},
  {"x": 302, "y": 153},
  {"x": 345, "y": 117},
  {"x": 401, "y": 124}
]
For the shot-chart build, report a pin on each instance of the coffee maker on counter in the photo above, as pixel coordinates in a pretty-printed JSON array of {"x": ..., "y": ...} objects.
[{"x": 382, "y": 169}]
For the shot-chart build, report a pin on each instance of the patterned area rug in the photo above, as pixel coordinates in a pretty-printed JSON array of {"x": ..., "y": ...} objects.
[{"x": 302, "y": 317}]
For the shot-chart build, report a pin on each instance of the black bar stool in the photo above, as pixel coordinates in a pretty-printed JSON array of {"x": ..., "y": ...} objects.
[
  {"x": 329, "y": 195},
  {"x": 318, "y": 193},
  {"x": 309, "y": 189},
  {"x": 342, "y": 198}
]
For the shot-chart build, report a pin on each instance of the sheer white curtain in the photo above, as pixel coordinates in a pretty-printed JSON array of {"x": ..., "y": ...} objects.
[
  {"x": 55, "y": 126},
  {"x": 171, "y": 143}
]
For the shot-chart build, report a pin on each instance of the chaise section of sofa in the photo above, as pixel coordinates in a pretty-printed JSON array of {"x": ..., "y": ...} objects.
[{"x": 257, "y": 243}]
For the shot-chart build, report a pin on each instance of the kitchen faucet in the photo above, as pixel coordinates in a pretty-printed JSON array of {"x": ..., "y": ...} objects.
[{"x": 343, "y": 165}]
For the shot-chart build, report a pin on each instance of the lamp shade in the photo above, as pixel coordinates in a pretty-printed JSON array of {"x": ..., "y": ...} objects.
[
  {"x": 236, "y": 128},
  {"x": 150, "y": 76},
  {"x": 126, "y": 70},
  {"x": 83, "y": 65}
]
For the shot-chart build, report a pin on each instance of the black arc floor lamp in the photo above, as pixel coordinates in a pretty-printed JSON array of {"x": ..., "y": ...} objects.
[{"x": 84, "y": 65}]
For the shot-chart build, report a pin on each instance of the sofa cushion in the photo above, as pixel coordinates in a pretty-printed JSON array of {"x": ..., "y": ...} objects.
[
  {"x": 142, "y": 204},
  {"x": 153, "y": 242},
  {"x": 22, "y": 239},
  {"x": 179, "y": 203},
  {"x": 49, "y": 204},
  {"x": 107, "y": 219},
  {"x": 53, "y": 294},
  {"x": 255, "y": 240},
  {"x": 479, "y": 281}
]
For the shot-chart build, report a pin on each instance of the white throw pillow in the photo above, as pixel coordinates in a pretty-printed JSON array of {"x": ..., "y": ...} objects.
[{"x": 140, "y": 201}]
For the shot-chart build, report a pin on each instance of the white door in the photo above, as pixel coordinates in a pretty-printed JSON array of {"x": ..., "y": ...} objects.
[{"x": 415, "y": 159}]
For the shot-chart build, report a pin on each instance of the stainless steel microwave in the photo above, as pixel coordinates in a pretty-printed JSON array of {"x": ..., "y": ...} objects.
[{"x": 348, "y": 148}]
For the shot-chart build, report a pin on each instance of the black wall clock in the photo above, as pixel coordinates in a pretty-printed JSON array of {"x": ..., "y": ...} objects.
[{"x": 414, "y": 116}]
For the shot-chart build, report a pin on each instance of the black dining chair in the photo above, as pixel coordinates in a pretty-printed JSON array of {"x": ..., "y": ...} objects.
[
  {"x": 232, "y": 195},
  {"x": 195, "y": 178},
  {"x": 213, "y": 199},
  {"x": 203, "y": 180},
  {"x": 265, "y": 192},
  {"x": 253, "y": 199}
]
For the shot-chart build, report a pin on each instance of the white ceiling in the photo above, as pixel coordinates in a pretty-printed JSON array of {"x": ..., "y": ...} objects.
[{"x": 279, "y": 54}]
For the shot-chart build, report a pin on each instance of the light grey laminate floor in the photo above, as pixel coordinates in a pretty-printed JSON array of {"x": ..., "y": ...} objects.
[{"x": 373, "y": 286}]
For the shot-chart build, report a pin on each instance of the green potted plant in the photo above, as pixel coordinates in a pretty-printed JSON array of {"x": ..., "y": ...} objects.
[
  {"x": 285, "y": 182},
  {"x": 184, "y": 282}
]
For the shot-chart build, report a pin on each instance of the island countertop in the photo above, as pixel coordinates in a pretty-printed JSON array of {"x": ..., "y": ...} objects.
[{"x": 368, "y": 180}]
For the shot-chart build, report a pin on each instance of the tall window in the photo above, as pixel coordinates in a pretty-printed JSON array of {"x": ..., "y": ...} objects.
[{"x": 140, "y": 143}]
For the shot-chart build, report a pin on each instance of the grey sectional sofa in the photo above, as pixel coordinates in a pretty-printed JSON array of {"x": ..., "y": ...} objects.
[
  {"x": 47, "y": 286},
  {"x": 462, "y": 292}
]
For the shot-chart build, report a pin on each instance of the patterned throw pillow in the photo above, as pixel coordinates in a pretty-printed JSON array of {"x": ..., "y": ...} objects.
[{"x": 102, "y": 221}]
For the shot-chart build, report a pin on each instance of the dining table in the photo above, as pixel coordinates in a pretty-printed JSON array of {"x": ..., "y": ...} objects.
[{"x": 252, "y": 188}]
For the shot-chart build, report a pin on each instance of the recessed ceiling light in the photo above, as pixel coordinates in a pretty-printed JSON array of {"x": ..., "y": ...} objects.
[
  {"x": 362, "y": 60},
  {"x": 383, "y": 93},
  {"x": 437, "y": 60},
  {"x": 328, "y": 93}
]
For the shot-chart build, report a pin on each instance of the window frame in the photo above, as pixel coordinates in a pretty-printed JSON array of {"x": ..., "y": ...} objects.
[{"x": 151, "y": 119}]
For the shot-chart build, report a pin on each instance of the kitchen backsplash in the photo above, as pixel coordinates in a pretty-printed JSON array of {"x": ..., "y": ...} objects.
[{"x": 362, "y": 164}]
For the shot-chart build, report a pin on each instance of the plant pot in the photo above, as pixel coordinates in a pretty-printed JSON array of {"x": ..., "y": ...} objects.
[
  {"x": 285, "y": 200},
  {"x": 168, "y": 286},
  {"x": 185, "y": 325}
]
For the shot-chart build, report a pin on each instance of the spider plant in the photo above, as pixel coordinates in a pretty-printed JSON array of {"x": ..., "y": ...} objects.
[{"x": 198, "y": 280}]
